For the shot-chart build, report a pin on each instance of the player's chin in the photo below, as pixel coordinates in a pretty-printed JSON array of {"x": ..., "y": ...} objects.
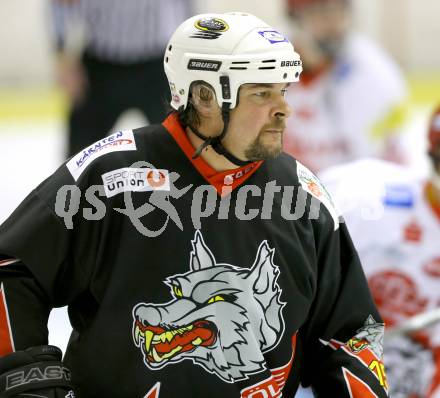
[
  {"x": 267, "y": 146},
  {"x": 273, "y": 147},
  {"x": 274, "y": 154},
  {"x": 269, "y": 152}
]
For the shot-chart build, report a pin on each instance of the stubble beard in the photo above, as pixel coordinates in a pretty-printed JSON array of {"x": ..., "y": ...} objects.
[{"x": 259, "y": 150}]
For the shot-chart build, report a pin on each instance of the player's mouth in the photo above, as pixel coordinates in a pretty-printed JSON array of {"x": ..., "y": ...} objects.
[
  {"x": 274, "y": 131},
  {"x": 161, "y": 344},
  {"x": 276, "y": 127}
]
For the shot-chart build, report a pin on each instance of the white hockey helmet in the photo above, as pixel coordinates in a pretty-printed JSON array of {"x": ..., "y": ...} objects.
[{"x": 226, "y": 51}]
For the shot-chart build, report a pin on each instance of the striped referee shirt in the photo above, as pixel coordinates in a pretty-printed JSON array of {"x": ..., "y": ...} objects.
[{"x": 119, "y": 31}]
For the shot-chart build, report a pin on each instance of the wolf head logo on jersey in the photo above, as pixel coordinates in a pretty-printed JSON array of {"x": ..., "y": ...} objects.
[{"x": 221, "y": 317}]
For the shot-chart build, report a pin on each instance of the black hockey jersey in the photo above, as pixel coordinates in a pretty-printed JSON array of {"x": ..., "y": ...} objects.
[{"x": 186, "y": 282}]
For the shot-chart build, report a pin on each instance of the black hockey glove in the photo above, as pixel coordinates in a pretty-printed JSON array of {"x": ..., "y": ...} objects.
[{"x": 37, "y": 371}]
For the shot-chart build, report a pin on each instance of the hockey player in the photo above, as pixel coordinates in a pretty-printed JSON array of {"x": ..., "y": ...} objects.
[
  {"x": 196, "y": 258},
  {"x": 349, "y": 103},
  {"x": 396, "y": 230}
]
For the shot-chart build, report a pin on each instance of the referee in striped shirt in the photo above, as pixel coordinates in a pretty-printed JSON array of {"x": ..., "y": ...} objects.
[{"x": 110, "y": 60}]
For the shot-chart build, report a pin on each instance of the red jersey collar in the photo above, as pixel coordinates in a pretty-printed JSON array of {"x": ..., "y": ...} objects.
[{"x": 223, "y": 181}]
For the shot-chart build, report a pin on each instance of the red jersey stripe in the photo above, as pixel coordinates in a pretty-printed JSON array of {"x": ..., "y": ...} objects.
[
  {"x": 6, "y": 340},
  {"x": 356, "y": 387}
]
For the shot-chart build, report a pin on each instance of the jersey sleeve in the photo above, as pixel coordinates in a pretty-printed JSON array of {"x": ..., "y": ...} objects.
[
  {"x": 43, "y": 262},
  {"x": 24, "y": 308},
  {"x": 344, "y": 333}
]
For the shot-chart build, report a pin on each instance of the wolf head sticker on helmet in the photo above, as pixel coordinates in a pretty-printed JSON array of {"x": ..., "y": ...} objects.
[{"x": 220, "y": 316}]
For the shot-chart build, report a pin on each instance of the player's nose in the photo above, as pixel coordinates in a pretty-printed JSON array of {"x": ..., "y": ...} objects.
[{"x": 281, "y": 109}]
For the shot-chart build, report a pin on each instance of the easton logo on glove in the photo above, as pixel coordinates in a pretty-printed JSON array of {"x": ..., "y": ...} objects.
[
  {"x": 36, "y": 374},
  {"x": 36, "y": 371}
]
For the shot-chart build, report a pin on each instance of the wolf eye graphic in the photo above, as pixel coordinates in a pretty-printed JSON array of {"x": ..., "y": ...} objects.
[
  {"x": 215, "y": 298},
  {"x": 230, "y": 298},
  {"x": 177, "y": 291}
]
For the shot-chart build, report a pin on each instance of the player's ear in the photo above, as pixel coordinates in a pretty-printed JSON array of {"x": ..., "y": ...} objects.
[{"x": 204, "y": 100}]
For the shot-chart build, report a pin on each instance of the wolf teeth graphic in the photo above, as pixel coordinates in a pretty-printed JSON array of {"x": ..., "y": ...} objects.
[{"x": 221, "y": 317}]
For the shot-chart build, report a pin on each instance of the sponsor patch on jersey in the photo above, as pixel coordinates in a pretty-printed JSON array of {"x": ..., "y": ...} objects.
[
  {"x": 120, "y": 141},
  {"x": 311, "y": 183},
  {"x": 398, "y": 196},
  {"x": 204, "y": 64},
  {"x": 273, "y": 36},
  {"x": 130, "y": 179},
  {"x": 412, "y": 232}
]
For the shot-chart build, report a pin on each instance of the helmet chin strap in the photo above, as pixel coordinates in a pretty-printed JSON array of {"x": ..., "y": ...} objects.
[{"x": 216, "y": 143}]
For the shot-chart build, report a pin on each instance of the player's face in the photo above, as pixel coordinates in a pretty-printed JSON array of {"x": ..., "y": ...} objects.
[
  {"x": 257, "y": 124},
  {"x": 327, "y": 24},
  {"x": 435, "y": 156},
  {"x": 434, "y": 142}
]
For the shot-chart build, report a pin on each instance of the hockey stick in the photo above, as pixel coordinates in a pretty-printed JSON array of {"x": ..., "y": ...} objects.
[{"x": 414, "y": 324}]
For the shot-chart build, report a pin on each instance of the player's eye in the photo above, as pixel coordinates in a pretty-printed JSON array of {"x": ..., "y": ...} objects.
[
  {"x": 177, "y": 291},
  {"x": 262, "y": 94},
  {"x": 216, "y": 298},
  {"x": 283, "y": 92}
]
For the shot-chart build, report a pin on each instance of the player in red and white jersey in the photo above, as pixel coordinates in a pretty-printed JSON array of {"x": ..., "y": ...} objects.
[
  {"x": 350, "y": 102},
  {"x": 394, "y": 220}
]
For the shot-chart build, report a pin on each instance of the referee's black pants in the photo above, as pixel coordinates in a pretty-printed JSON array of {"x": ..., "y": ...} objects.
[{"x": 113, "y": 89}]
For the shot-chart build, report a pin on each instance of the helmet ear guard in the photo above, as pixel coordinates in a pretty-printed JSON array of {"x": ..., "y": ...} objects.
[{"x": 201, "y": 94}]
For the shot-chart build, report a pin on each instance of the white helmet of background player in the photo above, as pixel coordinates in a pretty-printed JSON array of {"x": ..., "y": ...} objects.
[
  {"x": 321, "y": 27},
  {"x": 434, "y": 146},
  {"x": 226, "y": 51}
]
